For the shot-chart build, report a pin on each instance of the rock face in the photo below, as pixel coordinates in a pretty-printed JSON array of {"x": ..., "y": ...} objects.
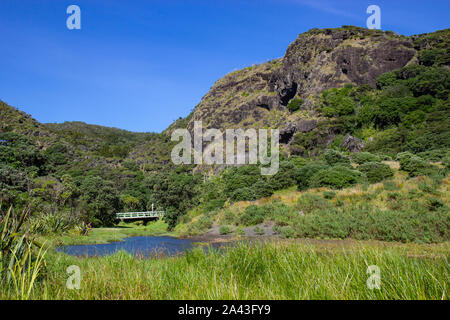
[
  {"x": 317, "y": 60},
  {"x": 352, "y": 144}
]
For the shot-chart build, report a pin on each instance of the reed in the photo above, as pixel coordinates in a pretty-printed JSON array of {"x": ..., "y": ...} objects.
[{"x": 283, "y": 270}]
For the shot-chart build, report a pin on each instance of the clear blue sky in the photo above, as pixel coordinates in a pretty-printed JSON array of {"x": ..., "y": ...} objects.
[{"x": 139, "y": 65}]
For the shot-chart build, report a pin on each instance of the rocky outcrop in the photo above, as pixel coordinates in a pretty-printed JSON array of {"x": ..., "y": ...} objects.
[
  {"x": 352, "y": 144},
  {"x": 317, "y": 60}
]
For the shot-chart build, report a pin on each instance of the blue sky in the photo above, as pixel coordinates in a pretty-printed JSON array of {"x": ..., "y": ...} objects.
[{"x": 141, "y": 64}]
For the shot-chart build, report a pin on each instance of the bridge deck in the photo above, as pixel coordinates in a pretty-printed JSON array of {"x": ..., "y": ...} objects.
[{"x": 139, "y": 215}]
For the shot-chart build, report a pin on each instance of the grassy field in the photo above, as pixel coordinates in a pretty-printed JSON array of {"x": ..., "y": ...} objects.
[
  {"x": 105, "y": 235},
  {"x": 274, "y": 270}
]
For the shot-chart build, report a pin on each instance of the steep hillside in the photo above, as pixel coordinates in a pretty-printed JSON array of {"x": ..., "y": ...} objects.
[
  {"x": 285, "y": 93},
  {"x": 336, "y": 92}
]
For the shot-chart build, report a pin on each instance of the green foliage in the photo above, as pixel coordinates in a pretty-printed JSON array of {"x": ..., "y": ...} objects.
[
  {"x": 414, "y": 165},
  {"x": 363, "y": 157},
  {"x": 295, "y": 104},
  {"x": 101, "y": 200},
  {"x": 369, "y": 223},
  {"x": 253, "y": 215},
  {"x": 304, "y": 174},
  {"x": 376, "y": 171},
  {"x": 297, "y": 161},
  {"x": 336, "y": 177},
  {"x": 175, "y": 192},
  {"x": 307, "y": 203},
  {"x": 285, "y": 177},
  {"x": 240, "y": 177},
  {"x": 336, "y": 102},
  {"x": 20, "y": 265},
  {"x": 263, "y": 189},
  {"x": 333, "y": 157},
  {"x": 225, "y": 230},
  {"x": 259, "y": 231},
  {"x": 329, "y": 194},
  {"x": 287, "y": 232}
]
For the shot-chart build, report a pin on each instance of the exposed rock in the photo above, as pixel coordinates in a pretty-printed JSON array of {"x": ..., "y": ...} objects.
[
  {"x": 287, "y": 133},
  {"x": 352, "y": 144},
  {"x": 257, "y": 96},
  {"x": 306, "y": 125}
]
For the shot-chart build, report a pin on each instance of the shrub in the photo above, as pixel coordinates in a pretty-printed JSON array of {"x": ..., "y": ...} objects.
[
  {"x": 239, "y": 231},
  {"x": 364, "y": 223},
  {"x": 433, "y": 204},
  {"x": 227, "y": 217},
  {"x": 333, "y": 157},
  {"x": 224, "y": 230},
  {"x": 329, "y": 194},
  {"x": 299, "y": 162},
  {"x": 310, "y": 202},
  {"x": 390, "y": 186},
  {"x": 287, "y": 232},
  {"x": 253, "y": 215},
  {"x": 258, "y": 230},
  {"x": 213, "y": 205},
  {"x": 285, "y": 177},
  {"x": 295, "y": 104},
  {"x": 337, "y": 177},
  {"x": 414, "y": 165},
  {"x": 303, "y": 175},
  {"x": 243, "y": 194},
  {"x": 262, "y": 189},
  {"x": 363, "y": 157},
  {"x": 205, "y": 222},
  {"x": 376, "y": 171}
]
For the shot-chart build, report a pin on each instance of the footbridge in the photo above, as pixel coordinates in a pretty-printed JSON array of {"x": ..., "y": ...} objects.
[{"x": 145, "y": 216}]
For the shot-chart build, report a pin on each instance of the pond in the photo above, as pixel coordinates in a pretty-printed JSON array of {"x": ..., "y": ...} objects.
[{"x": 138, "y": 246}]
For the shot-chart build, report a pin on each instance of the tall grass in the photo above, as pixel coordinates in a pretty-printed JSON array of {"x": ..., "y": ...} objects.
[
  {"x": 253, "y": 271},
  {"x": 19, "y": 264}
]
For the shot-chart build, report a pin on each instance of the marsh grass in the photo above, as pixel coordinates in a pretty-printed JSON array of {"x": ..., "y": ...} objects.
[
  {"x": 272, "y": 270},
  {"x": 105, "y": 235}
]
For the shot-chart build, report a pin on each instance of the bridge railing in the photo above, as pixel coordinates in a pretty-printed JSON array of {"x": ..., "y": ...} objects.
[{"x": 138, "y": 215}]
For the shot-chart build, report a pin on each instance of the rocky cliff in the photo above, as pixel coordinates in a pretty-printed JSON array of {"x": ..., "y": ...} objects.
[{"x": 258, "y": 96}]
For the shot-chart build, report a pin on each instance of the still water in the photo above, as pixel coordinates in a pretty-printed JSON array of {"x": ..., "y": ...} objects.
[{"x": 139, "y": 246}]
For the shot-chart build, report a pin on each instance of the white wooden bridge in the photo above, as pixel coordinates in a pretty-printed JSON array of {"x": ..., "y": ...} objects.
[{"x": 139, "y": 215}]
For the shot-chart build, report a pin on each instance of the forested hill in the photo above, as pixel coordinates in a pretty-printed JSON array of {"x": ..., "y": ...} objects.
[{"x": 347, "y": 89}]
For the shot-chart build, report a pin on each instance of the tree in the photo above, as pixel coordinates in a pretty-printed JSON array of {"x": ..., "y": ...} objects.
[{"x": 101, "y": 199}]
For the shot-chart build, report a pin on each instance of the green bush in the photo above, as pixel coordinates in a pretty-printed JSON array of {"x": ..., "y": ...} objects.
[
  {"x": 363, "y": 157},
  {"x": 376, "y": 171},
  {"x": 243, "y": 194},
  {"x": 253, "y": 215},
  {"x": 364, "y": 223},
  {"x": 262, "y": 189},
  {"x": 287, "y": 232},
  {"x": 227, "y": 217},
  {"x": 225, "y": 230},
  {"x": 304, "y": 174},
  {"x": 337, "y": 177},
  {"x": 299, "y": 162},
  {"x": 310, "y": 202},
  {"x": 333, "y": 157},
  {"x": 258, "y": 230},
  {"x": 295, "y": 104},
  {"x": 285, "y": 177},
  {"x": 390, "y": 186},
  {"x": 329, "y": 194},
  {"x": 414, "y": 165}
]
